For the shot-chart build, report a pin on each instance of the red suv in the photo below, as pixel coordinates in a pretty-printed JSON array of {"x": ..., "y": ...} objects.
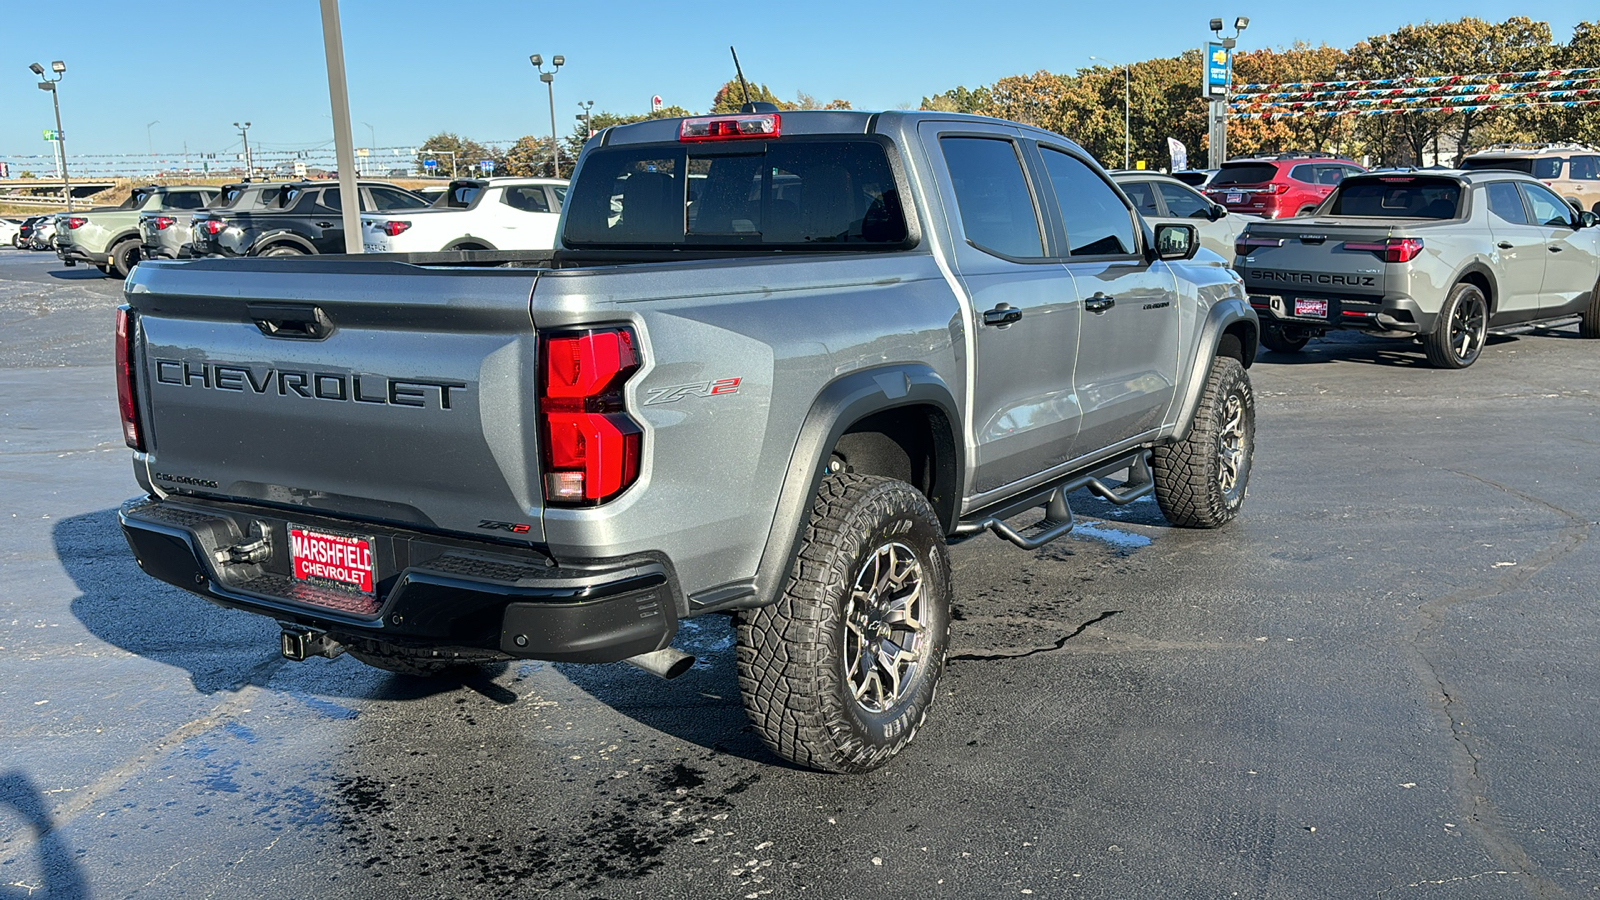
[{"x": 1293, "y": 184}]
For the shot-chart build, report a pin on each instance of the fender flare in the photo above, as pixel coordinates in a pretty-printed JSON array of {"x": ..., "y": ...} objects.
[
  {"x": 1478, "y": 267},
  {"x": 842, "y": 403},
  {"x": 280, "y": 237},
  {"x": 1223, "y": 315}
]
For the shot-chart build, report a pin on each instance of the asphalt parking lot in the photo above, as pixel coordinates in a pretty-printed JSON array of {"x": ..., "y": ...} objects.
[{"x": 1381, "y": 680}]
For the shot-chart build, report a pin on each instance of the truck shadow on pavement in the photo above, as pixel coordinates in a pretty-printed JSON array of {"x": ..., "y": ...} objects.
[
  {"x": 1394, "y": 352},
  {"x": 59, "y": 875},
  {"x": 220, "y": 649},
  {"x": 78, "y": 274}
]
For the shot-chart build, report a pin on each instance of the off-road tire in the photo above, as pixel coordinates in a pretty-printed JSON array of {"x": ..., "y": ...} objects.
[
  {"x": 794, "y": 662},
  {"x": 124, "y": 256},
  {"x": 1459, "y": 334},
  {"x": 417, "y": 662},
  {"x": 1276, "y": 338},
  {"x": 1589, "y": 326},
  {"x": 283, "y": 250},
  {"x": 1201, "y": 480}
]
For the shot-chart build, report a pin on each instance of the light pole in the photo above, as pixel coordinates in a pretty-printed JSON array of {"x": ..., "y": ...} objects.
[
  {"x": 1219, "y": 128},
  {"x": 49, "y": 84},
  {"x": 148, "y": 141},
  {"x": 588, "y": 121},
  {"x": 244, "y": 134},
  {"x": 1127, "y": 115},
  {"x": 549, "y": 79}
]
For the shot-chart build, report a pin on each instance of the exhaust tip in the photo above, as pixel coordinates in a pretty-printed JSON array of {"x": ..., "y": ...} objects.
[{"x": 668, "y": 662}]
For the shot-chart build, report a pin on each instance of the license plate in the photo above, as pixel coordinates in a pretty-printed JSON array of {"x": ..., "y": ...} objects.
[
  {"x": 375, "y": 245},
  {"x": 331, "y": 560},
  {"x": 1234, "y": 198},
  {"x": 1315, "y": 309}
]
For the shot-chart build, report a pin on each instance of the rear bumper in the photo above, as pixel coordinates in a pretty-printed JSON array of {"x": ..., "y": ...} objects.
[
  {"x": 73, "y": 253},
  {"x": 430, "y": 591},
  {"x": 1389, "y": 314}
]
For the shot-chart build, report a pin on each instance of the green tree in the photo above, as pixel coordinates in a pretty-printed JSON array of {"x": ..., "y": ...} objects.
[
  {"x": 958, "y": 99},
  {"x": 731, "y": 96},
  {"x": 466, "y": 152}
]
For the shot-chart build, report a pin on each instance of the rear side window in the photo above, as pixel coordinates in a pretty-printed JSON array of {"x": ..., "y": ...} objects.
[
  {"x": 185, "y": 200},
  {"x": 1509, "y": 164},
  {"x": 1547, "y": 168},
  {"x": 330, "y": 199},
  {"x": 458, "y": 196},
  {"x": 1184, "y": 203},
  {"x": 1505, "y": 203},
  {"x": 1398, "y": 198},
  {"x": 389, "y": 198},
  {"x": 1097, "y": 222},
  {"x": 527, "y": 199},
  {"x": 997, "y": 211},
  {"x": 1143, "y": 195},
  {"x": 1307, "y": 174},
  {"x": 1244, "y": 173},
  {"x": 830, "y": 194}
]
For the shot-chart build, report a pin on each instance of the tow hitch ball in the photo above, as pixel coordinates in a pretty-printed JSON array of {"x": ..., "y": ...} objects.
[{"x": 298, "y": 643}]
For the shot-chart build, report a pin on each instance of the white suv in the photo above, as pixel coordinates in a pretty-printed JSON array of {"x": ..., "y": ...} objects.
[{"x": 473, "y": 214}]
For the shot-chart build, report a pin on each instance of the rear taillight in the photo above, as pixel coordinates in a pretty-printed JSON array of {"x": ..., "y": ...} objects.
[
  {"x": 392, "y": 227},
  {"x": 1280, "y": 189},
  {"x": 591, "y": 446},
  {"x": 127, "y": 399},
  {"x": 211, "y": 226},
  {"x": 1394, "y": 250},
  {"x": 77, "y": 222},
  {"x": 1244, "y": 244},
  {"x": 162, "y": 223}
]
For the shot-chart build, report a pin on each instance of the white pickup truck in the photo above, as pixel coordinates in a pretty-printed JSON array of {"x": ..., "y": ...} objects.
[{"x": 473, "y": 214}]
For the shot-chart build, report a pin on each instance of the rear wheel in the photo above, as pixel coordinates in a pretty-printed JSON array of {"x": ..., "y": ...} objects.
[
  {"x": 1463, "y": 324},
  {"x": 838, "y": 674},
  {"x": 282, "y": 250},
  {"x": 1306, "y": 211},
  {"x": 1284, "y": 338},
  {"x": 1200, "y": 481},
  {"x": 124, "y": 257},
  {"x": 1590, "y": 326}
]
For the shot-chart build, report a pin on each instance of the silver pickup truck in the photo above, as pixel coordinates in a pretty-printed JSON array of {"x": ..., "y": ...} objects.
[
  {"x": 777, "y": 405},
  {"x": 1440, "y": 257}
]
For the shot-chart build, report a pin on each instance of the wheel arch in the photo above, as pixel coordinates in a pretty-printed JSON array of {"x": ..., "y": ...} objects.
[
  {"x": 1231, "y": 328},
  {"x": 889, "y": 420},
  {"x": 459, "y": 243},
  {"x": 276, "y": 238},
  {"x": 1481, "y": 276}
]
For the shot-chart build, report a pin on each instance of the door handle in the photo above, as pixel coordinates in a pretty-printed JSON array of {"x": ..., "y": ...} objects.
[
  {"x": 1555, "y": 248},
  {"x": 1099, "y": 303},
  {"x": 324, "y": 224},
  {"x": 1002, "y": 315},
  {"x": 1505, "y": 245}
]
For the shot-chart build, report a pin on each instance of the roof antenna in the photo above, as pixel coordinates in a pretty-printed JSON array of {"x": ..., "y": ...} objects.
[{"x": 740, "y": 72}]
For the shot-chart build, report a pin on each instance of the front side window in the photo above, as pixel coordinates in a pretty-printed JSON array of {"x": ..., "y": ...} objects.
[
  {"x": 526, "y": 199},
  {"x": 997, "y": 211},
  {"x": 1097, "y": 222},
  {"x": 1505, "y": 203},
  {"x": 1548, "y": 209},
  {"x": 391, "y": 199},
  {"x": 1184, "y": 203},
  {"x": 1584, "y": 168}
]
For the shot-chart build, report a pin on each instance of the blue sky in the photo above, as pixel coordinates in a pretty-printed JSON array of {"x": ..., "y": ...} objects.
[{"x": 194, "y": 68}]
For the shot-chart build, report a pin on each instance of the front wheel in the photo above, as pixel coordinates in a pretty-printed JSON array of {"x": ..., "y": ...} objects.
[
  {"x": 1200, "y": 481},
  {"x": 838, "y": 674},
  {"x": 1284, "y": 338},
  {"x": 1458, "y": 336}
]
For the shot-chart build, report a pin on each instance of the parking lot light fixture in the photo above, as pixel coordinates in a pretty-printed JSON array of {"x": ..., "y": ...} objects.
[
  {"x": 1220, "y": 117},
  {"x": 586, "y": 118},
  {"x": 244, "y": 135},
  {"x": 549, "y": 82},
  {"x": 49, "y": 84}
]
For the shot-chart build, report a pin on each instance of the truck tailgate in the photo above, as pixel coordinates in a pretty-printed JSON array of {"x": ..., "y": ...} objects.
[
  {"x": 369, "y": 390},
  {"x": 1315, "y": 258}
]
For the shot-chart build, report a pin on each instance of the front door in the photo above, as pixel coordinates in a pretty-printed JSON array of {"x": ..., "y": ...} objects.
[
  {"x": 1026, "y": 313},
  {"x": 1518, "y": 252},
  {"x": 1569, "y": 261},
  {"x": 1128, "y": 355}
]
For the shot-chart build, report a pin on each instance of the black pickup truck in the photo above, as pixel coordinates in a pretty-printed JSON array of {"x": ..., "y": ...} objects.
[{"x": 303, "y": 219}]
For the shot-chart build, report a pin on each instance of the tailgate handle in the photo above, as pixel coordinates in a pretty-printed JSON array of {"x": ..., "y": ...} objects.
[
  {"x": 303, "y": 321},
  {"x": 1313, "y": 238}
]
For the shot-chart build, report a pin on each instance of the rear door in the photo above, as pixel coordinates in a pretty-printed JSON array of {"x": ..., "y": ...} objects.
[
  {"x": 1519, "y": 250},
  {"x": 1025, "y": 411},
  {"x": 1128, "y": 354}
]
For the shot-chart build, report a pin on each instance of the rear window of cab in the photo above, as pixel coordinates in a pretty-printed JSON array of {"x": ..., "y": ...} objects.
[
  {"x": 1403, "y": 197},
  {"x": 818, "y": 194}
]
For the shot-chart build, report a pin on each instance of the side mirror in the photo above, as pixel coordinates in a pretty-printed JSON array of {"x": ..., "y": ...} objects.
[
  {"x": 1175, "y": 241},
  {"x": 1588, "y": 219},
  {"x": 1218, "y": 211}
]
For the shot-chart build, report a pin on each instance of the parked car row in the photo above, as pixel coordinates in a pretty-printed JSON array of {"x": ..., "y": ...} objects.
[
  {"x": 35, "y": 233},
  {"x": 474, "y": 214}
]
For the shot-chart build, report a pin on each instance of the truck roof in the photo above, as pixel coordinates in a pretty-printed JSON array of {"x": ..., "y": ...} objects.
[{"x": 814, "y": 121}]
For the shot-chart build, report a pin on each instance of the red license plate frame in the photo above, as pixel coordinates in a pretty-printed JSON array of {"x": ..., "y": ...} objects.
[
  {"x": 341, "y": 562},
  {"x": 1308, "y": 308}
]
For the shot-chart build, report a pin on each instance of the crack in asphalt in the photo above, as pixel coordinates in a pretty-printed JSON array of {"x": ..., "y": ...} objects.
[
  {"x": 1481, "y": 815},
  {"x": 980, "y": 656}
]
